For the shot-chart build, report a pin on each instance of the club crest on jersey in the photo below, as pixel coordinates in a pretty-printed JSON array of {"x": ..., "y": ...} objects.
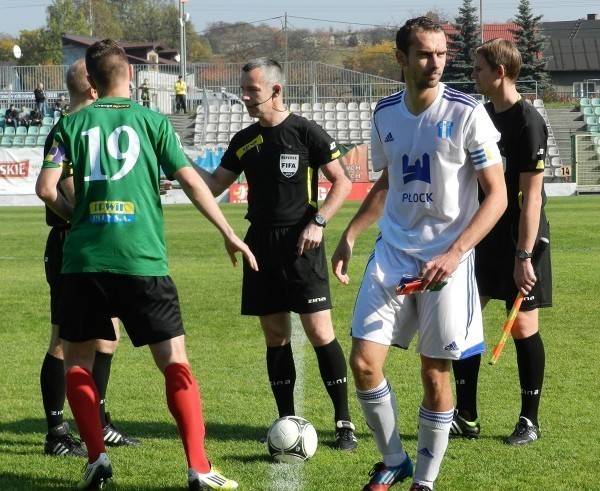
[
  {"x": 445, "y": 129},
  {"x": 288, "y": 164},
  {"x": 417, "y": 171}
]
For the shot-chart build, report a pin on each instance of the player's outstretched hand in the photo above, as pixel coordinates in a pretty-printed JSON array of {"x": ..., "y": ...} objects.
[
  {"x": 340, "y": 259},
  {"x": 234, "y": 244}
]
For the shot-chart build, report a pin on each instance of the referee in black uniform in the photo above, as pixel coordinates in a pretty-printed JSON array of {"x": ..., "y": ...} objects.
[
  {"x": 281, "y": 156},
  {"x": 503, "y": 260}
]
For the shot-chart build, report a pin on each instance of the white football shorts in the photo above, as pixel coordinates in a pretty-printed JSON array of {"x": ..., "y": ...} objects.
[{"x": 449, "y": 321}]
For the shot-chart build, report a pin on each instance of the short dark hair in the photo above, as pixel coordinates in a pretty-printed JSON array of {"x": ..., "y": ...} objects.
[
  {"x": 106, "y": 60},
  {"x": 418, "y": 24},
  {"x": 273, "y": 70}
]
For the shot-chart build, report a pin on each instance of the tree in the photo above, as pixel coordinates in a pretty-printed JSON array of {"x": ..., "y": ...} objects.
[
  {"x": 6, "y": 48},
  {"x": 460, "y": 48},
  {"x": 530, "y": 43},
  {"x": 377, "y": 59},
  {"x": 62, "y": 16}
]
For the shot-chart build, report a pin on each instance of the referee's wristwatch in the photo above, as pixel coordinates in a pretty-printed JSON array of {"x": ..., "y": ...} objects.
[
  {"x": 522, "y": 254},
  {"x": 320, "y": 220}
]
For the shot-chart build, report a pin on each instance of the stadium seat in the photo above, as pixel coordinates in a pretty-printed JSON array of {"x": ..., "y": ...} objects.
[
  {"x": 30, "y": 141},
  {"x": 213, "y": 118},
  {"x": 306, "y": 107},
  {"x": 353, "y": 115},
  {"x": 587, "y": 111},
  {"x": 21, "y": 130},
  {"x": 354, "y": 125},
  {"x": 236, "y": 118},
  {"x": 223, "y": 137},
  {"x": 584, "y": 101},
  {"x": 542, "y": 112},
  {"x": 597, "y": 111},
  {"x": 329, "y": 116},
  {"x": 365, "y": 115},
  {"x": 317, "y": 116},
  {"x": 551, "y": 141},
  {"x": 33, "y": 130},
  {"x": 48, "y": 121},
  {"x": 294, "y": 107},
  {"x": 329, "y": 106},
  {"x": 355, "y": 135},
  {"x": 224, "y": 108},
  {"x": 342, "y": 125},
  {"x": 343, "y": 136},
  {"x": 591, "y": 120},
  {"x": 235, "y": 127},
  {"x": 366, "y": 135},
  {"x": 237, "y": 108},
  {"x": 365, "y": 124},
  {"x": 553, "y": 151},
  {"x": 40, "y": 141},
  {"x": 18, "y": 141},
  {"x": 6, "y": 141},
  {"x": 595, "y": 102},
  {"x": 224, "y": 118},
  {"x": 555, "y": 162},
  {"x": 213, "y": 108},
  {"x": 352, "y": 106},
  {"x": 210, "y": 137},
  {"x": 246, "y": 118},
  {"x": 44, "y": 130},
  {"x": 309, "y": 115},
  {"x": 341, "y": 115},
  {"x": 364, "y": 106},
  {"x": 9, "y": 130},
  {"x": 317, "y": 106},
  {"x": 538, "y": 103},
  {"x": 223, "y": 128},
  {"x": 341, "y": 106},
  {"x": 373, "y": 105},
  {"x": 548, "y": 172}
]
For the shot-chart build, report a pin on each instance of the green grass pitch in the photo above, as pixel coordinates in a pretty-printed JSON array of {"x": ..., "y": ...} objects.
[{"x": 227, "y": 356}]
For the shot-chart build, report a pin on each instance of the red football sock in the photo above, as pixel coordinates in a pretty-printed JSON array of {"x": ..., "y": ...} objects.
[
  {"x": 85, "y": 404},
  {"x": 183, "y": 399}
]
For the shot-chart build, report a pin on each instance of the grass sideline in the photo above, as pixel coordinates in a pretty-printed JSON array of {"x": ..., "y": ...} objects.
[{"x": 227, "y": 356}]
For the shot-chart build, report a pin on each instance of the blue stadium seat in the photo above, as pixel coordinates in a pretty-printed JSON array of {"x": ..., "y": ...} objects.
[
  {"x": 33, "y": 130},
  {"x": 18, "y": 141},
  {"x": 40, "y": 141},
  {"x": 30, "y": 141},
  {"x": 21, "y": 130},
  {"x": 9, "y": 130}
]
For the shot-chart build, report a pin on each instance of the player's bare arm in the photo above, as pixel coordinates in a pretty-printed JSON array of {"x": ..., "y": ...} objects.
[
  {"x": 530, "y": 184},
  {"x": 199, "y": 193},
  {"x": 369, "y": 212},
  {"x": 336, "y": 174},
  {"x": 218, "y": 181},
  {"x": 491, "y": 179},
  {"x": 46, "y": 188}
]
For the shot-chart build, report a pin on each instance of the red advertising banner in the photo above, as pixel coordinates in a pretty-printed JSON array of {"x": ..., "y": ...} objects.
[{"x": 238, "y": 193}]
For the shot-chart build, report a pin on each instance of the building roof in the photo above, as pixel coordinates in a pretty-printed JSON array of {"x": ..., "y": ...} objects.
[
  {"x": 574, "y": 45},
  {"x": 135, "y": 51},
  {"x": 490, "y": 31}
]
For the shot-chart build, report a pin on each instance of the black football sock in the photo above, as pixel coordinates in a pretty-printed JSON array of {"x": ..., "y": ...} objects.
[
  {"x": 52, "y": 383},
  {"x": 531, "y": 360},
  {"x": 101, "y": 374},
  {"x": 282, "y": 376},
  {"x": 466, "y": 373},
  {"x": 334, "y": 373}
]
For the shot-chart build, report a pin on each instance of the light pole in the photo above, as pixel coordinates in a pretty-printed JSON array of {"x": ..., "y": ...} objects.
[
  {"x": 182, "y": 41},
  {"x": 481, "y": 19}
]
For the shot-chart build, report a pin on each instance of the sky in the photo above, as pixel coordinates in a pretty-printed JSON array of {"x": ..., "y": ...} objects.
[{"x": 17, "y": 15}]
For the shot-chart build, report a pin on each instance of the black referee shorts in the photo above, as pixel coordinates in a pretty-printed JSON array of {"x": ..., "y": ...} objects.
[
  {"x": 285, "y": 281},
  {"x": 148, "y": 307},
  {"x": 495, "y": 262},
  {"x": 53, "y": 256}
]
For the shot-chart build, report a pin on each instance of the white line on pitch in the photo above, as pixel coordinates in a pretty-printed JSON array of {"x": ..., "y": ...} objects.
[{"x": 288, "y": 477}]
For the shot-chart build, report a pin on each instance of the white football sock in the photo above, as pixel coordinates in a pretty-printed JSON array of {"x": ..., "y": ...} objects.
[
  {"x": 381, "y": 412},
  {"x": 434, "y": 428}
]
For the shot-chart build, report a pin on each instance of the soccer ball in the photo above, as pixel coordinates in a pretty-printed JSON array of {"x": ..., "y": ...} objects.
[{"x": 292, "y": 439}]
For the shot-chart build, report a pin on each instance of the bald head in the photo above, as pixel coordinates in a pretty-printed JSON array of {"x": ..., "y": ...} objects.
[{"x": 81, "y": 92}]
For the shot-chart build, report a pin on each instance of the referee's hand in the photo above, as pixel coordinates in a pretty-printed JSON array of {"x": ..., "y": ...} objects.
[{"x": 310, "y": 238}]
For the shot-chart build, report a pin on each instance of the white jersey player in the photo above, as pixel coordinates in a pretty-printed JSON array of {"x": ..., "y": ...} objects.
[{"x": 432, "y": 144}]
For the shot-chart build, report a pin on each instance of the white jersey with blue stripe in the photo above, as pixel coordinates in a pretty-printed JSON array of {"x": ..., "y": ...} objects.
[{"x": 431, "y": 159}]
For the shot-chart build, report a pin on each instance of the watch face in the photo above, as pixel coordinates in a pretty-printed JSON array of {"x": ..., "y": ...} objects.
[
  {"x": 320, "y": 220},
  {"x": 521, "y": 254}
]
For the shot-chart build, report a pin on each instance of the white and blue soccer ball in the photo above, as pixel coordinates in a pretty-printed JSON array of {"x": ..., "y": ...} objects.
[{"x": 292, "y": 439}]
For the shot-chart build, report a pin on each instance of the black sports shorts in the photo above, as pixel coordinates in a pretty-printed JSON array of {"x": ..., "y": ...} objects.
[
  {"x": 53, "y": 256},
  {"x": 495, "y": 262},
  {"x": 285, "y": 281},
  {"x": 148, "y": 307}
]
